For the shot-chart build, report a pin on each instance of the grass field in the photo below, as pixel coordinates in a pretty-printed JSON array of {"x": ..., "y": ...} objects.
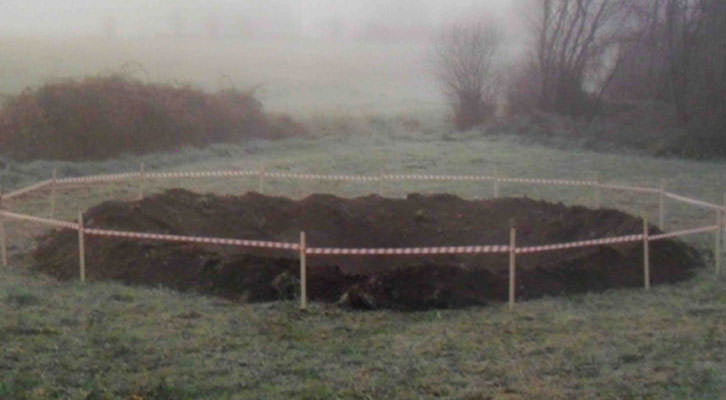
[
  {"x": 104, "y": 340},
  {"x": 371, "y": 108}
]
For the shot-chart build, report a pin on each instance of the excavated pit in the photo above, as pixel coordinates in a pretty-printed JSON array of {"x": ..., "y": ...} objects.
[{"x": 395, "y": 282}]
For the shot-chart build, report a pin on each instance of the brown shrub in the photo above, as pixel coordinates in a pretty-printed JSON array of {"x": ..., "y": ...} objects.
[{"x": 102, "y": 117}]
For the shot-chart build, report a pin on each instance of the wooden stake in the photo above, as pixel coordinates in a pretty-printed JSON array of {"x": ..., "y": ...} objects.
[
  {"x": 717, "y": 241},
  {"x": 661, "y": 205},
  {"x": 597, "y": 191},
  {"x": 3, "y": 234},
  {"x": 646, "y": 254},
  {"x": 512, "y": 264},
  {"x": 496, "y": 183},
  {"x": 261, "y": 179},
  {"x": 81, "y": 248},
  {"x": 303, "y": 273},
  {"x": 52, "y": 192},
  {"x": 141, "y": 181}
]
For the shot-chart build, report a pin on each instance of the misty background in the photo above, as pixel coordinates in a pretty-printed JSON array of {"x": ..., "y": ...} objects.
[
  {"x": 300, "y": 56},
  {"x": 353, "y": 19}
]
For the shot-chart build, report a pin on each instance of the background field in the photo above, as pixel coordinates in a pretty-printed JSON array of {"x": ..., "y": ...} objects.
[
  {"x": 68, "y": 340},
  {"x": 369, "y": 112}
]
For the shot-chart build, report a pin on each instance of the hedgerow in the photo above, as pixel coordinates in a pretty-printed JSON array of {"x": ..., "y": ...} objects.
[{"x": 105, "y": 116}]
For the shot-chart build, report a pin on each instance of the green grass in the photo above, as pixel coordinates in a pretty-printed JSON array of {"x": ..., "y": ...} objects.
[
  {"x": 104, "y": 340},
  {"x": 71, "y": 340}
]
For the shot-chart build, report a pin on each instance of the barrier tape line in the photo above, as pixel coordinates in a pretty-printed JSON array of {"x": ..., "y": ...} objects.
[
  {"x": 685, "y": 232},
  {"x": 27, "y": 189},
  {"x": 694, "y": 201},
  {"x": 487, "y": 249},
  {"x": 44, "y": 221},
  {"x": 582, "y": 243},
  {"x": 329, "y": 177},
  {"x": 199, "y": 174},
  {"x": 638, "y": 189},
  {"x": 99, "y": 178},
  {"x": 408, "y": 250},
  {"x": 193, "y": 239}
]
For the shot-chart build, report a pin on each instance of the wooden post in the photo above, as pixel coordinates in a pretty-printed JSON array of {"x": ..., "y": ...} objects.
[
  {"x": 646, "y": 254},
  {"x": 81, "y": 247},
  {"x": 380, "y": 183},
  {"x": 496, "y": 183},
  {"x": 661, "y": 205},
  {"x": 3, "y": 234},
  {"x": 141, "y": 181},
  {"x": 512, "y": 264},
  {"x": 717, "y": 242},
  {"x": 597, "y": 191},
  {"x": 303, "y": 273},
  {"x": 52, "y": 192},
  {"x": 261, "y": 179}
]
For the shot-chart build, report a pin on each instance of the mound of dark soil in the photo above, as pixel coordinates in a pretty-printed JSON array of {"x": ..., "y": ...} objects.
[
  {"x": 102, "y": 117},
  {"x": 400, "y": 282}
]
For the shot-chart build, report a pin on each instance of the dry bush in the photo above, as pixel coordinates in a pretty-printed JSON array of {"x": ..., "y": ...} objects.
[
  {"x": 464, "y": 56},
  {"x": 102, "y": 117}
]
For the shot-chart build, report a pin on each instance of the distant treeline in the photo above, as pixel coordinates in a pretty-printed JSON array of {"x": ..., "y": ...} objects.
[
  {"x": 590, "y": 52},
  {"x": 106, "y": 116}
]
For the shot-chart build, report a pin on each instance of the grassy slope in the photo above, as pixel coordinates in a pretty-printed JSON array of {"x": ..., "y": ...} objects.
[{"x": 66, "y": 340}]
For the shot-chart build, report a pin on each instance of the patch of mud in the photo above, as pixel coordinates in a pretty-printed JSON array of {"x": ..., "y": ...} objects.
[{"x": 403, "y": 282}]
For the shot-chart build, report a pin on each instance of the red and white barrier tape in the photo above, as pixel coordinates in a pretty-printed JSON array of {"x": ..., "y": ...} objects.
[
  {"x": 324, "y": 177},
  {"x": 685, "y": 232},
  {"x": 408, "y": 250},
  {"x": 549, "y": 181},
  {"x": 200, "y": 174},
  {"x": 488, "y": 249},
  {"x": 99, "y": 178},
  {"x": 404, "y": 177},
  {"x": 193, "y": 239},
  {"x": 582, "y": 243},
  {"x": 638, "y": 189},
  {"x": 25, "y": 190},
  {"x": 694, "y": 201},
  {"x": 44, "y": 221}
]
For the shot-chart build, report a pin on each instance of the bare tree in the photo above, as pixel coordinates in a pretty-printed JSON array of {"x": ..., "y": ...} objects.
[
  {"x": 464, "y": 63},
  {"x": 576, "y": 51}
]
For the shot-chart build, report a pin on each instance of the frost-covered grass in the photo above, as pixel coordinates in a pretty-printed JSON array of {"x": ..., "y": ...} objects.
[{"x": 104, "y": 340}]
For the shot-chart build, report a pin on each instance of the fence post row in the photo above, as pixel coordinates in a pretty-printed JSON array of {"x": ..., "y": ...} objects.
[
  {"x": 52, "y": 192},
  {"x": 81, "y": 247},
  {"x": 646, "y": 254},
  {"x": 512, "y": 264},
  {"x": 3, "y": 234},
  {"x": 303, "y": 273}
]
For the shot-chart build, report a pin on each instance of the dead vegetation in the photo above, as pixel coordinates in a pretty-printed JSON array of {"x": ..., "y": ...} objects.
[{"x": 106, "y": 116}]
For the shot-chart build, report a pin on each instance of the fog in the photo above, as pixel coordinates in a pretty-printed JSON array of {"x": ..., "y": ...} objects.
[
  {"x": 300, "y": 56},
  {"x": 311, "y": 18}
]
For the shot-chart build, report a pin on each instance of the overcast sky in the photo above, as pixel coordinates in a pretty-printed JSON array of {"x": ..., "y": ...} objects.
[{"x": 160, "y": 16}]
